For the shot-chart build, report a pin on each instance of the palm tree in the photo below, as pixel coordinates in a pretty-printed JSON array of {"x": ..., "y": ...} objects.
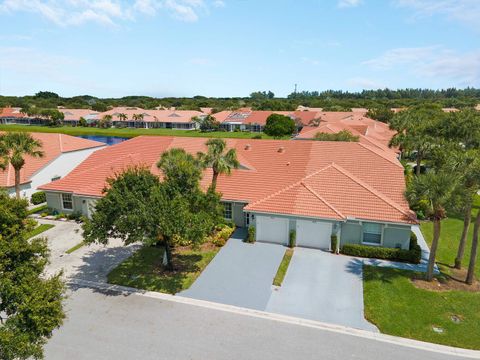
[
  {"x": 137, "y": 117},
  {"x": 220, "y": 161},
  {"x": 438, "y": 189},
  {"x": 122, "y": 117},
  {"x": 473, "y": 253},
  {"x": 14, "y": 146}
]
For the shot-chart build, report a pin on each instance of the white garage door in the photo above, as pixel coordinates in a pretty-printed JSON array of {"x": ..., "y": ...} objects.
[
  {"x": 314, "y": 234},
  {"x": 272, "y": 229}
]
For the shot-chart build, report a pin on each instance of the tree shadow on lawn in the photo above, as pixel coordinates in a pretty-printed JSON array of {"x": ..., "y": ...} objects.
[
  {"x": 97, "y": 264},
  {"x": 385, "y": 274}
]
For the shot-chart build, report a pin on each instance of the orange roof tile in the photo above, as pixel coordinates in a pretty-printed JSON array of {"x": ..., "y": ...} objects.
[
  {"x": 53, "y": 145},
  {"x": 269, "y": 167}
]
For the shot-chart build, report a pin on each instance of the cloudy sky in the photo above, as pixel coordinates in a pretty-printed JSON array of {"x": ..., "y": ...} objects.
[{"x": 112, "y": 48}]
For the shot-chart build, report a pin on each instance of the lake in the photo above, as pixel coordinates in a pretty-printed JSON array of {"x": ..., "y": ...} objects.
[{"x": 109, "y": 140}]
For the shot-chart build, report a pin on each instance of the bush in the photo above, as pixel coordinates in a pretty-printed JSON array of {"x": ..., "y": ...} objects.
[
  {"x": 76, "y": 215},
  {"x": 279, "y": 125},
  {"x": 220, "y": 237},
  {"x": 292, "y": 240},
  {"x": 334, "y": 243},
  {"x": 251, "y": 235},
  {"x": 377, "y": 252},
  {"x": 38, "y": 198},
  {"x": 257, "y": 136},
  {"x": 43, "y": 214},
  {"x": 60, "y": 216}
]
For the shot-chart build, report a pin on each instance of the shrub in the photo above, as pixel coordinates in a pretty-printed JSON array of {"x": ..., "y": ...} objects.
[
  {"x": 60, "y": 216},
  {"x": 292, "y": 239},
  {"x": 76, "y": 215},
  {"x": 251, "y": 235},
  {"x": 258, "y": 136},
  {"x": 38, "y": 198},
  {"x": 412, "y": 256},
  {"x": 221, "y": 236},
  {"x": 334, "y": 243},
  {"x": 43, "y": 214}
]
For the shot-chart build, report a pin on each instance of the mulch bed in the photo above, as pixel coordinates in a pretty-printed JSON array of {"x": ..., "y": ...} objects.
[{"x": 454, "y": 281}]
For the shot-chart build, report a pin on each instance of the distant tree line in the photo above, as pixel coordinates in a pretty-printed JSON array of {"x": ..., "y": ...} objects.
[{"x": 330, "y": 100}]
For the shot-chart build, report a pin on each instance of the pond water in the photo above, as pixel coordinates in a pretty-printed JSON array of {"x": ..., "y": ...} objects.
[{"x": 109, "y": 140}]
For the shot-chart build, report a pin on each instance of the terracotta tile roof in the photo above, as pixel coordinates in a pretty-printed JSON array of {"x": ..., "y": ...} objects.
[
  {"x": 53, "y": 145},
  {"x": 259, "y": 117},
  {"x": 76, "y": 114},
  {"x": 310, "y": 197},
  {"x": 175, "y": 116},
  {"x": 268, "y": 167},
  {"x": 11, "y": 112},
  {"x": 371, "y": 132}
]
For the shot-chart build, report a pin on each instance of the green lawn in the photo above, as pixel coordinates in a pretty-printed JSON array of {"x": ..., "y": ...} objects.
[
  {"x": 282, "y": 269},
  {"x": 449, "y": 238},
  {"x": 76, "y": 247},
  {"x": 398, "y": 308},
  {"x": 38, "y": 230},
  {"x": 143, "y": 270},
  {"x": 69, "y": 130},
  {"x": 38, "y": 209}
]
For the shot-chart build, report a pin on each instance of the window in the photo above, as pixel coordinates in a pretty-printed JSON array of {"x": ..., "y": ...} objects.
[
  {"x": 247, "y": 219},
  {"x": 227, "y": 210},
  {"x": 372, "y": 233},
  {"x": 67, "y": 201}
]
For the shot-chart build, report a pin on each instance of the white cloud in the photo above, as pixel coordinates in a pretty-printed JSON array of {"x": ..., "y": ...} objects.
[
  {"x": 433, "y": 62},
  {"x": 348, "y": 3},
  {"x": 464, "y": 11},
  {"x": 108, "y": 12}
]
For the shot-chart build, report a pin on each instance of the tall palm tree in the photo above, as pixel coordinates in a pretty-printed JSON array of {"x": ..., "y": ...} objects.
[
  {"x": 14, "y": 146},
  {"x": 221, "y": 161},
  {"x": 473, "y": 253},
  {"x": 438, "y": 189},
  {"x": 122, "y": 117}
]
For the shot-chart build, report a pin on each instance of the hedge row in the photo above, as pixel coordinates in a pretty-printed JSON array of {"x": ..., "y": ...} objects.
[{"x": 413, "y": 255}]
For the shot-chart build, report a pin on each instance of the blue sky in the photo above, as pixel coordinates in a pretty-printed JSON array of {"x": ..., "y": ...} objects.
[{"x": 112, "y": 48}]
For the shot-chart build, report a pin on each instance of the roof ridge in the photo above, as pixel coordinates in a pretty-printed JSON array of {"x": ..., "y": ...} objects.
[
  {"x": 322, "y": 199},
  {"x": 374, "y": 191},
  {"x": 288, "y": 187}
]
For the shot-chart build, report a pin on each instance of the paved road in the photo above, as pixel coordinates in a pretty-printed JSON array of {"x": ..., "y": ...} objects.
[
  {"x": 110, "y": 326},
  {"x": 323, "y": 287},
  {"x": 241, "y": 274}
]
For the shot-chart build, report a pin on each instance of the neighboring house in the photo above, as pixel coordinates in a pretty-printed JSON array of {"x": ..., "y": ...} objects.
[
  {"x": 164, "y": 119},
  {"x": 315, "y": 188},
  {"x": 73, "y": 116},
  {"x": 11, "y": 115},
  {"x": 369, "y": 131},
  {"x": 62, "y": 154},
  {"x": 255, "y": 120}
]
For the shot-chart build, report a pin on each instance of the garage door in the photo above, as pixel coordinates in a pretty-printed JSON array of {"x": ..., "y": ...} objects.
[
  {"x": 272, "y": 229},
  {"x": 314, "y": 234}
]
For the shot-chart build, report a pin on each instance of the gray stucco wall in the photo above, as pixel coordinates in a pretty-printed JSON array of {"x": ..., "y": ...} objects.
[
  {"x": 80, "y": 203},
  {"x": 396, "y": 237},
  {"x": 351, "y": 233},
  {"x": 393, "y": 235}
]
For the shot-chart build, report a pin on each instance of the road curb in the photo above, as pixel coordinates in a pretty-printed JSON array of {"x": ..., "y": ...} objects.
[{"x": 415, "y": 344}]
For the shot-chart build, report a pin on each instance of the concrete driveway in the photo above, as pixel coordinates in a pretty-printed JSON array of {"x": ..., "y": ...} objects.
[
  {"x": 241, "y": 274},
  {"x": 92, "y": 262},
  {"x": 324, "y": 287}
]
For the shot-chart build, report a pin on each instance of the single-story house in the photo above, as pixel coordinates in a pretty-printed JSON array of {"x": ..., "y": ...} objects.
[
  {"x": 62, "y": 153},
  {"x": 315, "y": 188},
  {"x": 369, "y": 131}
]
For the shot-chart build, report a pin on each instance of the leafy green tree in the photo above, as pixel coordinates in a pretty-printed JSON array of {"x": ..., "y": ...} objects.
[
  {"x": 380, "y": 113},
  {"x": 279, "y": 125},
  {"x": 137, "y": 117},
  {"x": 30, "y": 302},
  {"x": 138, "y": 207},
  {"x": 207, "y": 123},
  {"x": 221, "y": 161},
  {"x": 414, "y": 128},
  {"x": 53, "y": 116},
  {"x": 82, "y": 122},
  {"x": 105, "y": 122},
  {"x": 14, "y": 146},
  {"x": 438, "y": 190},
  {"x": 46, "y": 95},
  {"x": 122, "y": 117},
  {"x": 343, "y": 135}
]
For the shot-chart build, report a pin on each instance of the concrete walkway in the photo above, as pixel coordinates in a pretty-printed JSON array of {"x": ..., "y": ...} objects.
[
  {"x": 90, "y": 262},
  {"x": 241, "y": 274},
  {"x": 323, "y": 287}
]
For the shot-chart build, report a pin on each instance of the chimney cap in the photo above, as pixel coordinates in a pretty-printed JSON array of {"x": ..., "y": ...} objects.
[{"x": 281, "y": 149}]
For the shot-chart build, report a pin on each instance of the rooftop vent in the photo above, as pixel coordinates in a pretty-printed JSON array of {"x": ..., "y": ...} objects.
[
  {"x": 248, "y": 147},
  {"x": 281, "y": 149}
]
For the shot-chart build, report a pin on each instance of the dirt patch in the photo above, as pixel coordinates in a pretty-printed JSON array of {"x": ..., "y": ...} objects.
[{"x": 454, "y": 281}]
